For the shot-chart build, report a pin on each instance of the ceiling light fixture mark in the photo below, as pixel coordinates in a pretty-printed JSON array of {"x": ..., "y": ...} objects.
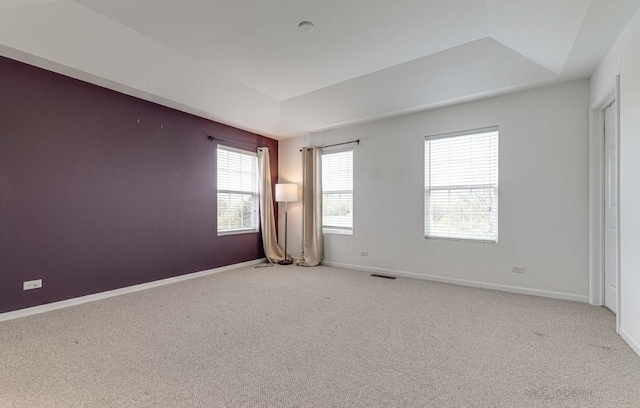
[{"x": 306, "y": 26}]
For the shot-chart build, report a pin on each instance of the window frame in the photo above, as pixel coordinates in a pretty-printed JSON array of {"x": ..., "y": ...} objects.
[
  {"x": 337, "y": 229},
  {"x": 255, "y": 195},
  {"x": 461, "y": 187}
]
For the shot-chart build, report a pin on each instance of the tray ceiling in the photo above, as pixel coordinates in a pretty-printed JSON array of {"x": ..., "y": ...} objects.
[{"x": 365, "y": 58}]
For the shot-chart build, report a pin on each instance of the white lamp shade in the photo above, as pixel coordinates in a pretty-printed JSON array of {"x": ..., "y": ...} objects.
[{"x": 286, "y": 193}]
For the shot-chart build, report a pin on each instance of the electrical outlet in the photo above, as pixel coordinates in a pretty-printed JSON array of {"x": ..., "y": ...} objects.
[
  {"x": 364, "y": 253},
  {"x": 34, "y": 284},
  {"x": 517, "y": 269}
]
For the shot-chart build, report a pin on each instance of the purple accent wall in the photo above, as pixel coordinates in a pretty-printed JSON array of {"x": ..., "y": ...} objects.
[{"x": 91, "y": 200}]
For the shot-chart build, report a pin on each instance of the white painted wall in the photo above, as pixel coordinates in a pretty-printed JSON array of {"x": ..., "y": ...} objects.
[
  {"x": 624, "y": 60},
  {"x": 543, "y": 216}
]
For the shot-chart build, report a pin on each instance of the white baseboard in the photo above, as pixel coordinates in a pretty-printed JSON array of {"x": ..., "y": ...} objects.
[
  {"x": 122, "y": 291},
  {"x": 463, "y": 282},
  {"x": 635, "y": 346}
]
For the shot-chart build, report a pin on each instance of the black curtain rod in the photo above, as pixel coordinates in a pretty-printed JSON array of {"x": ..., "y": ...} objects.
[
  {"x": 339, "y": 144},
  {"x": 233, "y": 142}
]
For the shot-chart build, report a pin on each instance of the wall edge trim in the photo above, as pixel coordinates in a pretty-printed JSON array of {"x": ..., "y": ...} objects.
[
  {"x": 635, "y": 346},
  {"x": 464, "y": 282},
  {"x": 48, "y": 307}
]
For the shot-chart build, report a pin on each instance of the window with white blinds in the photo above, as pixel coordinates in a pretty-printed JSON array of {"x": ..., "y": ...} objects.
[
  {"x": 237, "y": 191},
  {"x": 461, "y": 185},
  {"x": 337, "y": 191}
]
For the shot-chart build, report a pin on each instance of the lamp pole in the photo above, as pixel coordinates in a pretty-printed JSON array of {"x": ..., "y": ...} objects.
[
  {"x": 284, "y": 194},
  {"x": 286, "y": 260}
]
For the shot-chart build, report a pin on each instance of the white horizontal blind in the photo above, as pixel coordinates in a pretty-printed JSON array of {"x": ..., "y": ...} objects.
[
  {"x": 237, "y": 190},
  {"x": 461, "y": 185},
  {"x": 337, "y": 190}
]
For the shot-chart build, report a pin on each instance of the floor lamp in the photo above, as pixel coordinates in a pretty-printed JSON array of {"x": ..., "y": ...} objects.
[{"x": 286, "y": 193}]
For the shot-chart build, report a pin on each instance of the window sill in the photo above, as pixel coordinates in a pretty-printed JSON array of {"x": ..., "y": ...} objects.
[
  {"x": 337, "y": 231},
  {"x": 477, "y": 241},
  {"x": 237, "y": 232}
]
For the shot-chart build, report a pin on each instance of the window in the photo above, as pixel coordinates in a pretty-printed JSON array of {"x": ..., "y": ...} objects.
[
  {"x": 461, "y": 185},
  {"x": 237, "y": 191},
  {"x": 337, "y": 191}
]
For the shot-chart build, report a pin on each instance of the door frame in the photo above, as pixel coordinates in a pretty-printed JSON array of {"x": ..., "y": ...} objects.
[{"x": 597, "y": 196}]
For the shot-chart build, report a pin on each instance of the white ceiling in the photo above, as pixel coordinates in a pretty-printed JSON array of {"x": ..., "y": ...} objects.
[
  {"x": 244, "y": 62},
  {"x": 258, "y": 41}
]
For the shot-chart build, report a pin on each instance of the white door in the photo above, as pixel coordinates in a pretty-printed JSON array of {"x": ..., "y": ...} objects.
[{"x": 610, "y": 208}]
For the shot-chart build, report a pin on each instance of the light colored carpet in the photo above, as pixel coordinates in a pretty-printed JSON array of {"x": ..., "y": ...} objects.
[{"x": 317, "y": 337}]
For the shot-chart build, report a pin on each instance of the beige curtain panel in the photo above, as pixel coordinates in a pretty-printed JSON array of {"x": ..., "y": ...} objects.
[
  {"x": 312, "y": 238},
  {"x": 272, "y": 251}
]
